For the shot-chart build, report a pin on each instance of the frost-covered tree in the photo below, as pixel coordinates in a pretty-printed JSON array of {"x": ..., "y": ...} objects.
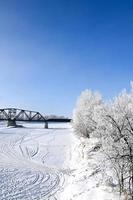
[
  {"x": 117, "y": 138},
  {"x": 113, "y": 123},
  {"x": 85, "y": 114}
]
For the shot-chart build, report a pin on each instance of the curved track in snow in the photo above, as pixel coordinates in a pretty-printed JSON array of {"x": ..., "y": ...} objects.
[
  {"x": 26, "y": 184},
  {"x": 23, "y": 173}
]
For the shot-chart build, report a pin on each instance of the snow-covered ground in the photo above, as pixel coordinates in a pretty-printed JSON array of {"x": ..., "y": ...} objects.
[
  {"x": 90, "y": 179},
  {"x": 51, "y": 164},
  {"x": 34, "y": 161}
]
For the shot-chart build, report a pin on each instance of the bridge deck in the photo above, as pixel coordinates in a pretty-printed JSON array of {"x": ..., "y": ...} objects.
[{"x": 27, "y": 116}]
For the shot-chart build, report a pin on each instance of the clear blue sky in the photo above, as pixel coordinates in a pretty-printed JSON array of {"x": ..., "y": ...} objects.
[{"x": 51, "y": 50}]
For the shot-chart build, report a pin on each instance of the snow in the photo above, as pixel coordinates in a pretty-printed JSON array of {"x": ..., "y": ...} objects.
[
  {"x": 87, "y": 180},
  {"x": 50, "y": 164},
  {"x": 33, "y": 162}
]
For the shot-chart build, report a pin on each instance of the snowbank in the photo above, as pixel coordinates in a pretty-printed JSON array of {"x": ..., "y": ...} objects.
[{"x": 88, "y": 179}]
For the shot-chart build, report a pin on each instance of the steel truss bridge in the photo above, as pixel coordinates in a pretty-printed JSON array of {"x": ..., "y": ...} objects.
[{"x": 11, "y": 115}]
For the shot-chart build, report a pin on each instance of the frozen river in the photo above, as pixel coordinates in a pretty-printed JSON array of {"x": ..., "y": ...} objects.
[{"x": 34, "y": 161}]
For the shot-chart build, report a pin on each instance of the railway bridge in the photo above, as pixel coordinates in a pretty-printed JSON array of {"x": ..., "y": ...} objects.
[{"x": 12, "y": 115}]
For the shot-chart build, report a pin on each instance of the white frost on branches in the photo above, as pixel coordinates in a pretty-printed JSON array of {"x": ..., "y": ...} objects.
[
  {"x": 85, "y": 113},
  {"x": 113, "y": 123}
]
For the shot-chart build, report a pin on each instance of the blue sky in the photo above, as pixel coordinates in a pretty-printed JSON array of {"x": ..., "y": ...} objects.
[{"x": 51, "y": 50}]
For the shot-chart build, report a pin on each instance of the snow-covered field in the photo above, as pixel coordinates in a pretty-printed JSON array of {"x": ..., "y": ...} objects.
[
  {"x": 34, "y": 162},
  {"x": 51, "y": 164}
]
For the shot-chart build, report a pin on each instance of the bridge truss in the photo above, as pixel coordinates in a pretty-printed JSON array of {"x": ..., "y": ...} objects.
[
  {"x": 12, "y": 115},
  {"x": 20, "y": 115}
]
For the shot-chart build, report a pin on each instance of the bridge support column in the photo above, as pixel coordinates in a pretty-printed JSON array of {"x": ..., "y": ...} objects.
[
  {"x": 11, "y": 122},
  {"x": 46, "y": 125}
]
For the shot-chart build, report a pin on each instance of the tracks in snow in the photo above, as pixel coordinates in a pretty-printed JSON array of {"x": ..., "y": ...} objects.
[
  {"x": 21, "y": 178},
  {"x": 24, "y": 184}
]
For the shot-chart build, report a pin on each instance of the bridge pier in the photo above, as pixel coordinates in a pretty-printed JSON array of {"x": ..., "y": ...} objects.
[
  {"x": 11, "y": 122},
  {"x": 46, "y": 125}
]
